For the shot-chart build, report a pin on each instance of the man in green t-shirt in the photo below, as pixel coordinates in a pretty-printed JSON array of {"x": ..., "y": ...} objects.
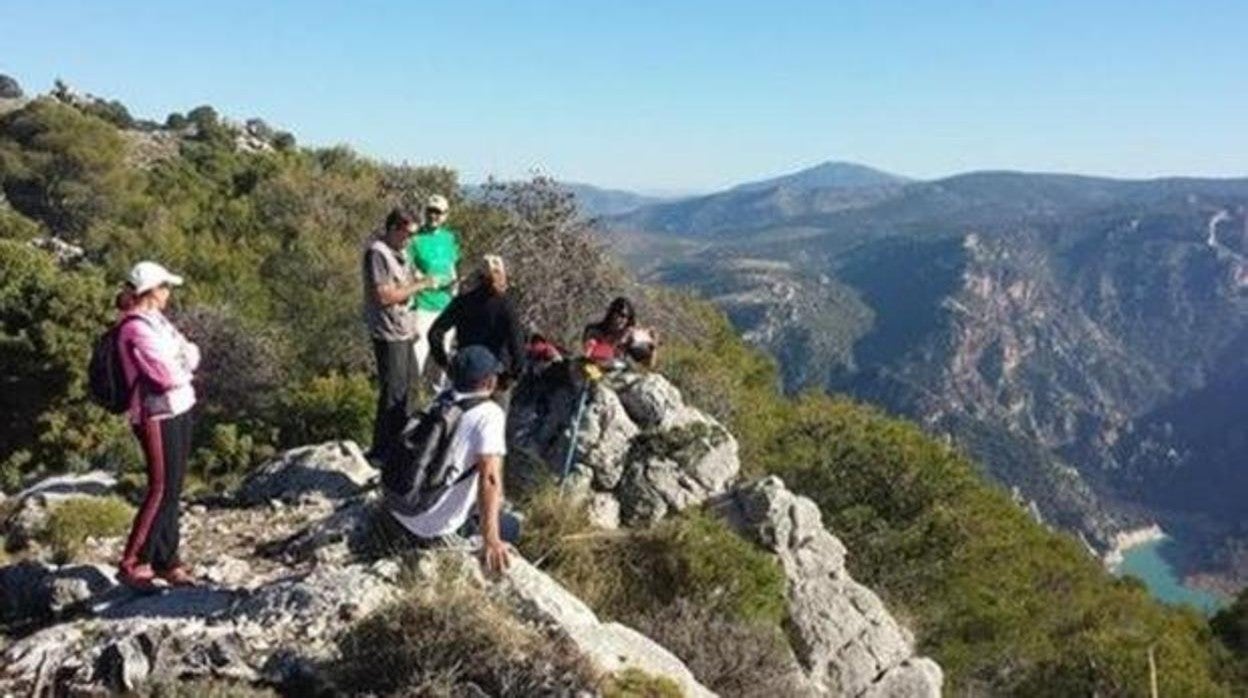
[{"x": 433, "y": 253}]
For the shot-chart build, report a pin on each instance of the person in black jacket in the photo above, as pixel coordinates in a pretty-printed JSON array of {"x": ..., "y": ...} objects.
[{"x": 483, "y": 316}]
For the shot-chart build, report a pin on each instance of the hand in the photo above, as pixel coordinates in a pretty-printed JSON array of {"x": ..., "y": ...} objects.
[{"x": 496, "y": 556}]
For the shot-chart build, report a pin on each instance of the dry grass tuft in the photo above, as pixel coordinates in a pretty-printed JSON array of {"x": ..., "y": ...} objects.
[
  {"x": 456, "y": 641},
  {"x": 72, "y": 521},
  {"x": 734, "y": 658}
]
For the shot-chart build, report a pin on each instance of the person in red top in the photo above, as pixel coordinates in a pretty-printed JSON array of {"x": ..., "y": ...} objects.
[
  {"x": 617, "y": 337},
  {"x": 159, "y": 363}
]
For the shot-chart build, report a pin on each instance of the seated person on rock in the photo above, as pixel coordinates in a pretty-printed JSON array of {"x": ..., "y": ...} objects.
[
  {"x": 617, "y": 337},
  {"x": 460, "y": 491}
]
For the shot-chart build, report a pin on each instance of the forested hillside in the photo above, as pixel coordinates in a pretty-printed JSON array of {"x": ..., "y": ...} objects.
[
  {"x": 268, "y": 235},
  {"x": 1081, "y": 336}
]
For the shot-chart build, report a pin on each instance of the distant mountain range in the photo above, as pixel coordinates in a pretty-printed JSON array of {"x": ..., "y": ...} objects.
[
  {"x": 828, "y": 175},
  {"x": 826, "y": 188},
  {"x": 597, "y": 202},
  {"x": 1084, "y": 337}
]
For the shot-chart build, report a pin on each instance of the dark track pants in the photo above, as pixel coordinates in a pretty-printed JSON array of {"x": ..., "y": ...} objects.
[
  {"x": 154, "y": 537},
  {"x": 396, "y": 366}
]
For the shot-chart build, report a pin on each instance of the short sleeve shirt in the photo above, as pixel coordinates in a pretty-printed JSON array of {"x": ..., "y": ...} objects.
[
  {"x": 385, "y": 265},
  {"x": 482, "y": 431},
  {"x": 434, "y": 252}
]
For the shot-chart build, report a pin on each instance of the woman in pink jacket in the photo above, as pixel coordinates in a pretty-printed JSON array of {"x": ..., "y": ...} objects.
[{"x": 159, "y": 363}]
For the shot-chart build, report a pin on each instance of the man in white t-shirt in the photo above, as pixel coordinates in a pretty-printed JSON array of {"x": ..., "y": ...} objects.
[{"x": 475, "y": 455}]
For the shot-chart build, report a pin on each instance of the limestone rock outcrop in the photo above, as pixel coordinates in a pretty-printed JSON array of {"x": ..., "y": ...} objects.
[
  {"x": 639, "y": 445},
  {"x": 844, "y": 638},
  {"x": 277, "y": 633},
  {"x": 335, "y": 470}
]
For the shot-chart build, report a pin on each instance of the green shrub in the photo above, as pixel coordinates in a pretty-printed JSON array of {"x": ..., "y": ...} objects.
[
  {"x": 1231, "y": 625},
  {"x": 696, "y": 557},
  {"x": 436, "y": 641},
  {"x": 228, "y": 455},
  {"x": 334, "y": 406},
  {"x": 635, "y": 683},
  {"x": 72, "y": 521},
  {"x": 65, "y": 168},
  {"x": 693, "y": 556},
  {"x": 49, "y": 318},
  {"x": 15, "y": 226},
  {"x": 735, "y": 383}
]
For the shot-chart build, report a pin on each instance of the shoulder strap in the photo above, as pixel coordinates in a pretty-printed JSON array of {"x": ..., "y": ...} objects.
[
  {"x": 138, "y": 372},
  {"x": 466, "y": 404}
]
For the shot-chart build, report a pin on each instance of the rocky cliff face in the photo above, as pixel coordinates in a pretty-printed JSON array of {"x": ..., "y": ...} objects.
[
  {"x": 293, "y": 561},
  {"x": 1081, "y": 337}
]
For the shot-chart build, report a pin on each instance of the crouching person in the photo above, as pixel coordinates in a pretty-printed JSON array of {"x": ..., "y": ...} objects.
[{"x": 446, "y": 482}]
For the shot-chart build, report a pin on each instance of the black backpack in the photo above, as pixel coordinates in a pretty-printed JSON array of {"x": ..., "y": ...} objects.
[
  {"x": 417, "y": 472},
  {"x": 106, "y": 378}
]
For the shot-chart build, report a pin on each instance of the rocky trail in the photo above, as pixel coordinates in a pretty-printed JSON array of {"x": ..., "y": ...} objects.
[{"x": 291, "y": 561}]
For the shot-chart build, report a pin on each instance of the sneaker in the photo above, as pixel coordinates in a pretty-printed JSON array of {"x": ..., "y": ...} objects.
[
  {"x": 179, "y": 576},
  {"x": 140, "y": 577}
]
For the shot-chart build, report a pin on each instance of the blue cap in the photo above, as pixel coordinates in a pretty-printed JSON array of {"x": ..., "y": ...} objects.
[{"x": 471, "y": 365}]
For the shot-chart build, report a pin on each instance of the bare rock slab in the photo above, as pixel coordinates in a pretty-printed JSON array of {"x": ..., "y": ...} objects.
[{"x": 335, "y": 469}]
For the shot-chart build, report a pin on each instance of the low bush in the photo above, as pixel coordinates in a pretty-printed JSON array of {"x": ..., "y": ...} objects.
[
  {"x": 635, "y": 683},
  {"x": 696, "y": 557},
  {"x": 333, "y": 406},
  {"x": 736, "y": 659},
  {"x": 72, "y": 521},
  {"x": 456, "y": 641},
  {"x": 229, "y": 454},
  {"x": 689, "y": 582},
  {"x": 693, "y": 556},
  {"x": 243, "y": 366}
]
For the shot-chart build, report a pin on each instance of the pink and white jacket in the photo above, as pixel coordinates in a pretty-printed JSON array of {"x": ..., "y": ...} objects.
[{"x": 155, "y": 348}]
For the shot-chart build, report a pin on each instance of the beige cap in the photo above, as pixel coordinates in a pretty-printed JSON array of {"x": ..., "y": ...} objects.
[
  {"x": 491, "y": 263},
  {"x": 146, "y": 276},
  {"x": 439, "y": 202}
]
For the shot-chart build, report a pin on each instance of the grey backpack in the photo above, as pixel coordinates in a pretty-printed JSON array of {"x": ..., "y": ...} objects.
[{"x": 415, "y": 475}]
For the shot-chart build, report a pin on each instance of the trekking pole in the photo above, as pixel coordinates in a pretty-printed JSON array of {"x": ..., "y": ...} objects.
[{"x": 592, "y": 374}]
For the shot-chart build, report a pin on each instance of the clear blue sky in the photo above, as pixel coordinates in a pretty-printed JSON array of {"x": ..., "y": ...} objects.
[{"x": 680, "y": 95}]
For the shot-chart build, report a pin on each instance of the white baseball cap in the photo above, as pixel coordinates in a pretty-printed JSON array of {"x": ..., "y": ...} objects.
[
  {"x": 146, "y": 276},
  {"x": 439, "y": 202}
]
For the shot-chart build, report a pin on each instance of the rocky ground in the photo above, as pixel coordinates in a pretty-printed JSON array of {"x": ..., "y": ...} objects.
[{"x": 292, "y": 560}]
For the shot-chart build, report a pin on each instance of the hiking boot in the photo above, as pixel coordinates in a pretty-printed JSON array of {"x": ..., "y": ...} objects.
[
  {"x": 140, "y": 577},
  {"x": 179, "y": 576}
]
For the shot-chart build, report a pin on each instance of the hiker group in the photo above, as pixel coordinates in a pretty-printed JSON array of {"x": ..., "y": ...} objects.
[{"x": 457, "y": 338}]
